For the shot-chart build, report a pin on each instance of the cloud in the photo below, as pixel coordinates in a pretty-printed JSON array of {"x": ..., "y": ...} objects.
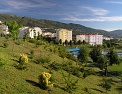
[
  {"x": 5, "y": 10},
  {"x": 113, "y": 2},
  {"x": 97, "y": 11},
  {"x": 97, "y": 19},
  {"x": 25, "y": 4}
]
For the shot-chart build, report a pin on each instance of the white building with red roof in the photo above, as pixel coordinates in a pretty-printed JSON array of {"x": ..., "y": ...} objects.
[{"x": 92, "y": 39}]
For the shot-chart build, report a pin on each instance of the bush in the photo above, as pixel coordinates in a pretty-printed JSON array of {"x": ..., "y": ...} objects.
[
  {"x": 21, "y": 66},
  {"x": 23, "y": 59},
  {"x": 38, "y": 43},
  {"x": 18, "y": 42},
  {"x": 5, "y": 44},
  {"x": 1, "y": 62},
  {"x": 32, "y": 41},
  {"x": 44, "y": 80},
  {"x": 71, "y": 56},
  {"x": 86, "y": 73},
  {"x": 75, "y": 71},
  {"x": 42, "y": 60},
  {"x": 70, "y": 84},
  {"x": 31, "y": 54},
  {"x": 55, "y": 66}
]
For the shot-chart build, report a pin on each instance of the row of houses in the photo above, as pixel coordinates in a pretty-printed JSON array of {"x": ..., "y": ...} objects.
[{"x": 63, "y": 34}]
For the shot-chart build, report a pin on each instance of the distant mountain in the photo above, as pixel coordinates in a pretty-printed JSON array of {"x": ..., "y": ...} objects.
[
  {"x": 52, "y": 25},
  {"x": 116, "y": 32}
]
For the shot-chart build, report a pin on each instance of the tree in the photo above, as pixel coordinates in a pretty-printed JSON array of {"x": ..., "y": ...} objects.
[
  {"x": 79, "y": 42},
  {"x": 66, "y": 42},
  {"x": 70, "y": 43},
  {"x": 74, "y": 42},
  {"x": 95, "y": 53},
  {"x": 83, "y": 54},
  {"x": 84, "y": 42},
  {"x": 14, "y": 30},
  {"x": 101, "y": 62},
  {"x": 113, "y": 57},
  {"x": 62, "y": 52},
  {"x": 60, "y": 41},
  {"x": 1, "y": 32},
  {"x": 26, "y": 35}
]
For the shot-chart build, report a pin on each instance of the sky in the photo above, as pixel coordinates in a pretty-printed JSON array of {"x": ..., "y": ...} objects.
[{"x": 98, "y": 14}]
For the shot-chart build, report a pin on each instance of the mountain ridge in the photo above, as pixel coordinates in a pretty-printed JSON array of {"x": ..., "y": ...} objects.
[{"x": 52, "y": 25}]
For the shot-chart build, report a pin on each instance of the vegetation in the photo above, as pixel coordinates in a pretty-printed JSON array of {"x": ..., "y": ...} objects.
[
  {"x": 53, "y": 62},
  {"x": 44, "y": 80},
  {"x": 73, "y": 80}
]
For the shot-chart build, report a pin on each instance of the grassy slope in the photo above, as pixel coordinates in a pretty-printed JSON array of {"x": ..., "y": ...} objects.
[{"x": 14, "y": 81}]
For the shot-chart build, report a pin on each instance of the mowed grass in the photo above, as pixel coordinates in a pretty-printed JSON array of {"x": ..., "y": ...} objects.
[{"x": 14, "y": 81}]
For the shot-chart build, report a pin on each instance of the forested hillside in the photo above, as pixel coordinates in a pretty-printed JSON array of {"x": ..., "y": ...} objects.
[
  {"x": 45, "y": 23},
  {"x": 117, "y": 33}
]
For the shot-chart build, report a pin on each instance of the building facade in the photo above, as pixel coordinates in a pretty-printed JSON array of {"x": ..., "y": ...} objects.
[
  {"x": 63, "y": 34},
  {"x": 32, "y": 32},
  {"x": 5, "y": 29},
  {"x": 92, "y": 39}
]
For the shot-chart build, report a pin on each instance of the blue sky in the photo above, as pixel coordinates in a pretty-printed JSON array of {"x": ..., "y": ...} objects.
[{"x": 98, "y": 14}]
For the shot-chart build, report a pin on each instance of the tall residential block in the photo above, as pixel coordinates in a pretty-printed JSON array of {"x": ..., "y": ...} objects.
[
  {"x": 93, "y": 39},
  {"x": 63, "y": 34}
]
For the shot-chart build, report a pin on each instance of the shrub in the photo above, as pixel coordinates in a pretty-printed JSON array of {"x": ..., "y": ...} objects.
[
  {"x": 32, "y": 41},
  {"x": 75, "y": 71},
  {"x": 106, "y": 84},
  {"x": 86, "y": 73},
  {"x": 44, "y": 80},
  {"x": 38, "y": 43},
  {"x": 1, "y": 62},
  {"x": 21, "y": 66},
  {"x": 71, "y": 56},
  {"x": 18, "y": 42},
  {"x": 5, "y": 44},
  {"x": 31, "y": 54},
  {"x": 23, "y": 59},
  {"x": 42, "y": 60},
  {"x": 70, "y": 84},
  {"x": 55, "y": 66}
]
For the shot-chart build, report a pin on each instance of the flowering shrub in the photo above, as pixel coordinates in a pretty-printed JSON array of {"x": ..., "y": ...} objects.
[
  {"x": 23, "y": 59},
  {"x": 44, "y": 80}
]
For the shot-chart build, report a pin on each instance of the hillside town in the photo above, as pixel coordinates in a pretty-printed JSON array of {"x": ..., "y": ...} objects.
[{"x": 60, "y": 34}]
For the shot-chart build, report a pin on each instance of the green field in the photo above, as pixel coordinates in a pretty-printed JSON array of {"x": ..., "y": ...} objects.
[{"x": 15, "y": 81}]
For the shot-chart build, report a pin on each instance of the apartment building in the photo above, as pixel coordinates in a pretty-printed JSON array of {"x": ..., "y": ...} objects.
[
  {"x": 4, "y": 28},
  {"x": 63, "y": 34},
  {"x": 92, "y": 39},
  {"x": 32, "y": 32}
]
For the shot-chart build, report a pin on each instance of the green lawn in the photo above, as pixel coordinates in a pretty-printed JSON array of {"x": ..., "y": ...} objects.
[{"x": 14, "y": 81}]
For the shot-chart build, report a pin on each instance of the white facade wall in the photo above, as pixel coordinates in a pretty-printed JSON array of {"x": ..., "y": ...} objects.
[
  {"x": 49, "y": 34},
  {"x": 37, "y": 31},
  {"x": 22, "y": 31},
  {"x": 93, "y": 39},
  {"x": 5, "y": 29},
  {"x": 31, "y": 32},
  {"x": 80, "y": 37}
]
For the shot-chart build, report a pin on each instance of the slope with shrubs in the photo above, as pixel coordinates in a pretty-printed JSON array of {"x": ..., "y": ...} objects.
[{"x": 66, "y": 76}]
